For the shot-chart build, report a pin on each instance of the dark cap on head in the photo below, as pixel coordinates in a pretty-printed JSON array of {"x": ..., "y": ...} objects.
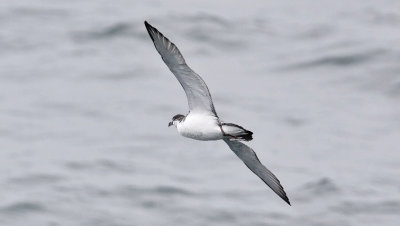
[{"x": 178, "y": 117}]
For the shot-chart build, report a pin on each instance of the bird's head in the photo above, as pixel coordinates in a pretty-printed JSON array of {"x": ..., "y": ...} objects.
[{"x": 176, "y": 119}]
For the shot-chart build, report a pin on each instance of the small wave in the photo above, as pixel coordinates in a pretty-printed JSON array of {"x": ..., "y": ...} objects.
[
  {"x": 218, "y": 41},
  {"x": 39, "y": 12},
  {"x": 132, "y": 191},
  {"x": 343, "y": 60},
  {"x": 22, "y": 208},
  {"x": 117, "y": 76},
  {"x": 383, "y": 17},
  {"x": 317, "y": 189},
  {"x": 219, "y": 215},
  {"x": 168, "y": 190},
  {"x": 205, "y": 17},
  {"x": 322, "y": 186},
  {"x": 295, "y": 122},
  {"x": 99, "y": 165},
  {"x": 394, "y": 90},
  {"x": 120, "y": 29},
  {"x": 70, "y": 108},
  {"x": 316, "y": 32},
  {"x": 377, "y": 207},
  {"x": 35, "y": 179}
]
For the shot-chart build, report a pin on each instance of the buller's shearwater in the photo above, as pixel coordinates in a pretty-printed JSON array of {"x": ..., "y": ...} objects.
[{"x": 202, "y": 121}]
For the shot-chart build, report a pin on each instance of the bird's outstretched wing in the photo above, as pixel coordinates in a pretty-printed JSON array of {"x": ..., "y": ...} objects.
[
  {"x": 197, "y": 93},
  {"x": 249, "y": 157}
]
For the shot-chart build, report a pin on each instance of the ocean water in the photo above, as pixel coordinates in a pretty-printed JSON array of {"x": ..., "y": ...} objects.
[{"x": 85, "y": 101}]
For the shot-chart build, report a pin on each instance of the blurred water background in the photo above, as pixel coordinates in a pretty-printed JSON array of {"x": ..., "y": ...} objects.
[{"x": 85, "y": 101}]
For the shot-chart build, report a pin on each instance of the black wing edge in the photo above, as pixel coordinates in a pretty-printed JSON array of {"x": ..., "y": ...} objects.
[
  {"x": 150, "y": 29},
  {"x": 283, "y": 194}
]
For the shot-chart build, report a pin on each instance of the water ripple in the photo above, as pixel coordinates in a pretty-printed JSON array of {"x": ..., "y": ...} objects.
[
  {"x": 363, "y": 207},
  {"x": 119, "y": 29},
  {"x": 35, "y": 179},
  {"x": 23, "y": 208},
  {"x": 165, "y": 191},
  {"x": 317, "y": 189},
  {"x": 342, "y": 60}
]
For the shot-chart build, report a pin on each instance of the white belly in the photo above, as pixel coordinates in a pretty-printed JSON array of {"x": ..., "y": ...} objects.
[{"x": 200, "y": 127}]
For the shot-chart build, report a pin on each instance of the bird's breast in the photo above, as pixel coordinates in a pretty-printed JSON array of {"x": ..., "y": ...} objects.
[{"x": 200, "y": 127}]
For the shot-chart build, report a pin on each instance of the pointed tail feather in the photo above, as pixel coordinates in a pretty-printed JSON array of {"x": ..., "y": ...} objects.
[{"x": 236, "y": 132}]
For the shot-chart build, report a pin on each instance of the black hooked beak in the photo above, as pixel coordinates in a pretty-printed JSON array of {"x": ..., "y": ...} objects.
[{"x": 170, "y": 124}]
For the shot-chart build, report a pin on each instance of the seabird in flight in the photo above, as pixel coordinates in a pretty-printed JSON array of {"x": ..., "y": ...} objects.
[{"x": 202, "y": 121}]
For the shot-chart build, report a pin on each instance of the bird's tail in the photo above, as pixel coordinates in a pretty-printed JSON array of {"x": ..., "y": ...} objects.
[{"x": 236, "y": 132}]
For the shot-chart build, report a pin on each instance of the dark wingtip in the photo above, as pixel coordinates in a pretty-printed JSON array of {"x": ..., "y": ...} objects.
[
  {"x": 287, "y": 200},
  {"x": 284, "y": 196},
  {"x": 149, "y": 28}
]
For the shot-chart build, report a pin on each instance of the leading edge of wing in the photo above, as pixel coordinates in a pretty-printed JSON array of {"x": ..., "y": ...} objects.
[
  {"x": 168, "y": 50},
  {"x": 197, "y": 93},
  {"x": 250, "y": 159}
]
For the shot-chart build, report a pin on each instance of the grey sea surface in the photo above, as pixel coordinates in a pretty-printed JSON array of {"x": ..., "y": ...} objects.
[{"x": 85, "y": 100}]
